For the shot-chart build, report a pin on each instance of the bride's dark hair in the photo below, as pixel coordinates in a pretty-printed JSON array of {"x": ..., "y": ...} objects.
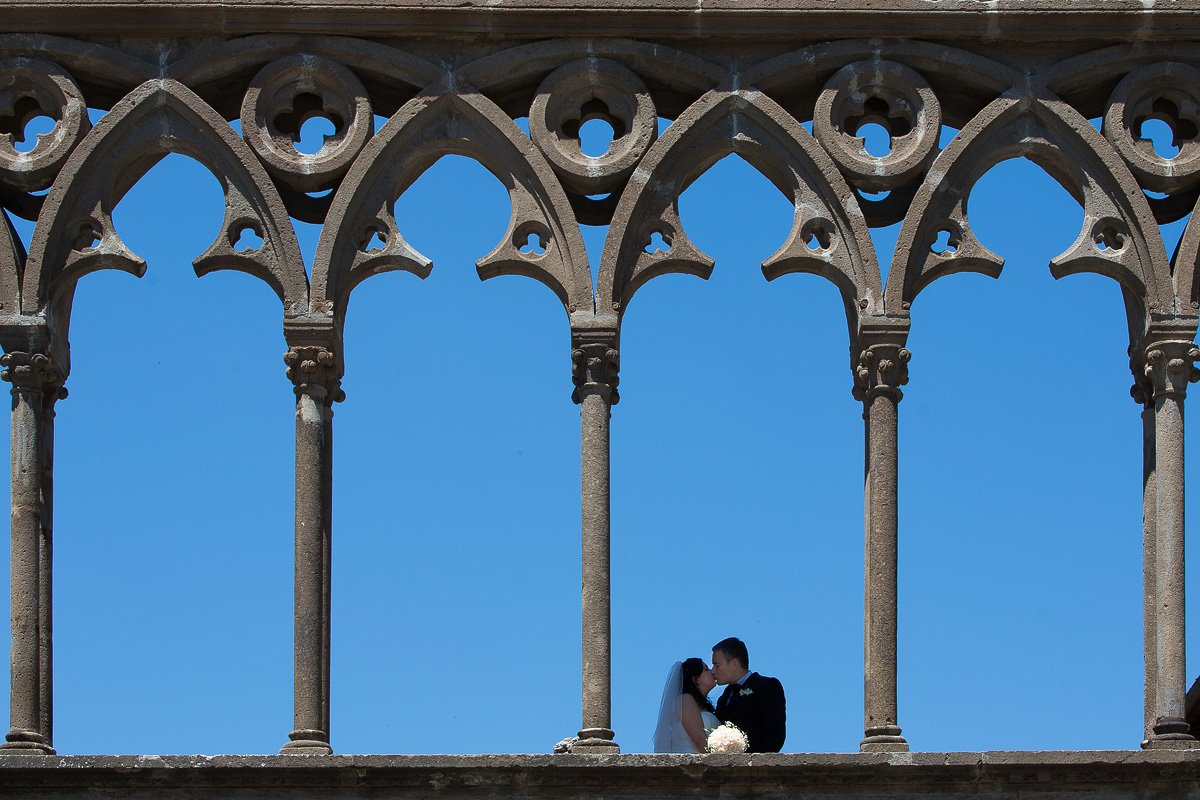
[{"x": 691, "y": 670}]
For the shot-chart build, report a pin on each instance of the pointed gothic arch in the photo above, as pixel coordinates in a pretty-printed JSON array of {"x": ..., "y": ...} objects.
[
  {"x": 829, "y": 237},
  {"x": 1119, "y": 238},
  {"x": 449, "y": 120},
  {"x": 75, "y": 234}
]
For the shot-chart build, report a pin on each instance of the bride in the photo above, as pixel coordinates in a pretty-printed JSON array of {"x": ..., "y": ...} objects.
[{"x": 686, "y": 715}]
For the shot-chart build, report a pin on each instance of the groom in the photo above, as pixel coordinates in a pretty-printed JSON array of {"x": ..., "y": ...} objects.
[{"x": 750, "y": 701}]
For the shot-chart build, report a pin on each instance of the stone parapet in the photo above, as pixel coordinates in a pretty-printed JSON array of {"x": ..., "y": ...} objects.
[{"x": 1095, "y": 774}]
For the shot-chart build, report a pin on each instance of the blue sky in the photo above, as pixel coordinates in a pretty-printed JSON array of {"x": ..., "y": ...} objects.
[{"x": 736, "y": 491}]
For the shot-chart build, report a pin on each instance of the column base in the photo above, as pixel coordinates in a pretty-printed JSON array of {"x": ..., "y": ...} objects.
[
  {"x": 23, "y": 742},
  {"x": 883, "y": 739},
  {"x": 596, "y": 741},
  {"x": 307, "y": 743},
  {"x": 1171, "y": 733}
]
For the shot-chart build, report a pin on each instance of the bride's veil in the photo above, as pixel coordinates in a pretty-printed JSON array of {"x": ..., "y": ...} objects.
[{"x": 670, "y": 711}]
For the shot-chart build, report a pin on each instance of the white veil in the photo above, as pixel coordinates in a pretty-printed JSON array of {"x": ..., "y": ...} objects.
[{"x": 670, "y": 712}]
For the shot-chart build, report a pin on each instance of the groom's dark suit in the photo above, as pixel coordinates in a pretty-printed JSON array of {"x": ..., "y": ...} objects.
[{"x": 757, "y": 707}]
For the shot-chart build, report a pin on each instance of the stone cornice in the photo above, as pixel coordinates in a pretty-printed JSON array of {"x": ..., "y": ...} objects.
[{"x": 758, "y": 20}]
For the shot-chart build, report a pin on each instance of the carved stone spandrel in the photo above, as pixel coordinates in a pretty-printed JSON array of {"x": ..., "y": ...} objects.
[
  {"x": 674, "y": 77},
  {"x": 391, "y": 75},
  {"x": 969, "y": 80}
]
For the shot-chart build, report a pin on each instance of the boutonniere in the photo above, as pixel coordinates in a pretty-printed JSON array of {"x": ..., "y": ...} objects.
[{"x": 746, "y": 691}]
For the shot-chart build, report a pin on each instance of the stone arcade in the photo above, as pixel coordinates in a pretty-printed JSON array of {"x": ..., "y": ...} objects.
[{"x": 733, "y": 76}]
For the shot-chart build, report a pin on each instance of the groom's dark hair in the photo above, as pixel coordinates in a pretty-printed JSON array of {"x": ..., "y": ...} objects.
[{"x": 734, "y": 648}]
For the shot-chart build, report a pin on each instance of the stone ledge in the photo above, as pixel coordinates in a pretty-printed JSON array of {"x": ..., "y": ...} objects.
[
  {"x": 758, "y": 20},
  {"x": 1108, "y": 774}
]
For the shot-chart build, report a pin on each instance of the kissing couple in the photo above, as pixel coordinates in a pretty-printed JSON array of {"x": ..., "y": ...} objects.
[{"x": 752, "y": 702}]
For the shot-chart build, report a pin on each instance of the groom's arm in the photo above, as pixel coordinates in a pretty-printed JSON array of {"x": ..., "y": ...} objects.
[{"x": 774, "y": 717}]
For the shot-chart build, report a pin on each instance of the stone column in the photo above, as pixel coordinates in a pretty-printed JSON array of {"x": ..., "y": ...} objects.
[
  {"x": 1168, "y": 367},
  {"x": 314, "y": 372},
  {"x": 595, "y": 363},
  {"x": 335, "y": 394},
  {"x": 1143, "y": 394},
  {"x": 37, "y": 384},
  {"x": 46, "y": 583},
  {"x": 881, "y": 370}
]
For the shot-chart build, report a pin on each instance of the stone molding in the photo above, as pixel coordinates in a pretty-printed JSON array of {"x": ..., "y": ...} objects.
[
  {"x": 744, "y": 77},
  {"x": 747, "y": 20},
  {"x": 1113, "y": 774}
]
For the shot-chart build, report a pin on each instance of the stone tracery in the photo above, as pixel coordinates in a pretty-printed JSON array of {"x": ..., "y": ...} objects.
[{"x": 272, "y": 83}]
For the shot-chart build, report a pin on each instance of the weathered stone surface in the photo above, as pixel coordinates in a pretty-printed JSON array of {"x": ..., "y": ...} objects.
[
  {"x": 732, "y": 76},
  {"x": 1100, "y": 774}
]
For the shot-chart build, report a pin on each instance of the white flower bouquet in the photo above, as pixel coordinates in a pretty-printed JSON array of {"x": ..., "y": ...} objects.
[{"x": 727, "y": 738}]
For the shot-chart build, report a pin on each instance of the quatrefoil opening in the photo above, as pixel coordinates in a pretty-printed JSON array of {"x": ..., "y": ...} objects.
[
  {"x": 895, "y": 98},
  {"x": 578, "y": 93},
  {"x": 1169, "y": 93},
  {"x": 30, "y": 89},
  {"x": 291, "y": 91}
]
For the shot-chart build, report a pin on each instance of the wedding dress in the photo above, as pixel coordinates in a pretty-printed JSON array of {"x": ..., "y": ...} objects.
[{"x": 669, "y": 735}]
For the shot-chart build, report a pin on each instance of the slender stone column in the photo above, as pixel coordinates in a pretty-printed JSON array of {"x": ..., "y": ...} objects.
[
  {"x": 46, "y": 583},
  {"x": 1168, "y": 366},
  {"x": 594, "y": 371},
  {"x": 327, "y": 568},
  {"x": 313, "y": 370},
  {"x": 882, "y": 369},
  {"x": 37, "y": 383},
  {"x": 1143, "y": 393}
]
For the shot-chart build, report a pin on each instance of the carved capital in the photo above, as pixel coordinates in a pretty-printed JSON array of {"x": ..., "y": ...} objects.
[
  {"x": 1169, "y": 367},
  {"x": 595, "y": 368},
  {"x": 881, "y": 368},
  {"x": 315, "y": 370},
  {"x": 33, "y": 372}
]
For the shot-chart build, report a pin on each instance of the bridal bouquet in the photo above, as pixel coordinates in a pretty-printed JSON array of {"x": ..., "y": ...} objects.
[{"x": 727, "y": 738}]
